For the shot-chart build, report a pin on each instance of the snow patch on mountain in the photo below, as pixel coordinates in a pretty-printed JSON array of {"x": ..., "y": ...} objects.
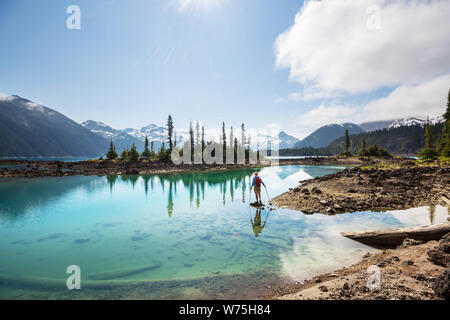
[
  {"x": 413, "y": 121},
  {"x": 155, "y": 134}
]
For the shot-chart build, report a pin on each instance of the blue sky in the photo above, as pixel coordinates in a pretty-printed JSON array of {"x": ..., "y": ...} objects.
[{"x": 134, "y": 62}]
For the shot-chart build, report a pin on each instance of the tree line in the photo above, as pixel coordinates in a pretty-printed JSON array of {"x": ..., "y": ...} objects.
[
  {"x": 439, "y": 148},
  {"x": 409, "y": 140},
  {"x": 197, "y": 143}
]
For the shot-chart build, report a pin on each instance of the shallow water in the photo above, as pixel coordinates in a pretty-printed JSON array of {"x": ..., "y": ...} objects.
[{"x": 187, "y": 235}]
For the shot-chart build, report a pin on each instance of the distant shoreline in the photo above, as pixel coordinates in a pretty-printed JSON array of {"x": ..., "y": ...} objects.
[{"x": 15, "y": 168}]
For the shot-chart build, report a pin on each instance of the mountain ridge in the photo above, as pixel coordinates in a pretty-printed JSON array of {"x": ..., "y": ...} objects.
[
  {"x": 28, "y": 129},
  {"x": 326, "y": 134}
]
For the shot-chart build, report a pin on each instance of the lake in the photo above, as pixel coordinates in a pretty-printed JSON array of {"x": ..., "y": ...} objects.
[{"x": 172, "y": 236}]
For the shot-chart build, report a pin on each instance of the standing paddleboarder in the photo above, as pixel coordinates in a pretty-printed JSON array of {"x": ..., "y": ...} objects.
[{"x": 257, "y": 181}]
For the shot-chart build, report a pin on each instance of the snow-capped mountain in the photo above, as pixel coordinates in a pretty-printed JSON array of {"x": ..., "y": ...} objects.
[
  {"x": 412, "y": 121},
  {"x": 156, "y": 134},
  {"x": 287, "y": 141},
  {"x": 100, "y": 128},
  {"x": 280, "y": 141},
  {"x": 152, "y": 131},
  {"x": 327, "y": 134},
  {"x": 125, "y": 138},
  {"x": 121, "y": 139}
]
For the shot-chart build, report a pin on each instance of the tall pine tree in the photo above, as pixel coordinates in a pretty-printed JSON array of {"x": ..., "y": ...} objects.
[
  {"x": 428, "y": 153},
  {"x": 444, "y": 141},
  {"x": 111, "y": 154},
  {"x": 197, "y": 133},
  {"x": 191, "y": 137},
  {"x": 347, "y": 152},
  {"x": 428, "y": 135},
  {"x": 236, "y": 143},
  {"x": 231, "y": 137},
  {"x": 124, "y": 155},
  {"x": 347, "y": 141},
  {"x": 133, "y": 154},
  {"x": 224, "y": 141},
  {"x": 243, "y": 139},
  {"x": 203, "y": 139},
  {"x": 363, "y": 151},
  {"x": 146, "y": 153},
  {"x": 170, "y": 132}
]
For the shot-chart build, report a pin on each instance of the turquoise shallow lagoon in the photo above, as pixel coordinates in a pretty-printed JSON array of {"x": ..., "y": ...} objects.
[{"x": 172, "y": 236}]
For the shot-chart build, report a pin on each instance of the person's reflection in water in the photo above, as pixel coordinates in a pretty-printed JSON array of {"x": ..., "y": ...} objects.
[
  {"x": 170, "y": 200},
  {"x": 256, "y": 222}
]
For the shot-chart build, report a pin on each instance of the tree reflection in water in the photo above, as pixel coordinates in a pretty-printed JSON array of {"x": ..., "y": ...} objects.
[{"x": 197, "y": 182}]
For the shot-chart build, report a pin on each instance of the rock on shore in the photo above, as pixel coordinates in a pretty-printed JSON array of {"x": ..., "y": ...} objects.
[
  {"x": 359, "y": 189},
  {"x": 412, "y": 271}
]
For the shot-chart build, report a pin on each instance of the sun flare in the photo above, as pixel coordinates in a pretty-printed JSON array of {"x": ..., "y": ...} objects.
[{"x": 198, "y": 5}]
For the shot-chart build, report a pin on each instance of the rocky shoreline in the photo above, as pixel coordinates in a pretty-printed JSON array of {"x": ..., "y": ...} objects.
[
  {"x": 39, "y": 169},
  {"x": 413, "y": 271},
  {"x": 374, "y": 189}
]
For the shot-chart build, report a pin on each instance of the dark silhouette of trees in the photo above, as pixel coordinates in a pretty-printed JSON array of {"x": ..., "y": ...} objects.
[
  {"x": 444, "y": 141},
  {"x": 428, "y": 153},
  {"x": 170, "y": 132},
  {"x": 133, "y": 154},
  {"x": 146, "y": 153},
  {"x": 224, "y": 141},
  {"x": 111, "y": 154}
]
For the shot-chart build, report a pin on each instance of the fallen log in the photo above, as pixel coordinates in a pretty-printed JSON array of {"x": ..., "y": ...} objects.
[
  {"x": 395, "y": 237},
  {"x": 122, "y": 273}
]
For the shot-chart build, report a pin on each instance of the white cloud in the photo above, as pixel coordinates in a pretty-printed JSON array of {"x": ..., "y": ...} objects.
[
  {"x": 330, "y": 48},
  {"x": 5, "y": 97},
  {"x": 323, "y": 115},
  {"x": 425, "y": 99}
]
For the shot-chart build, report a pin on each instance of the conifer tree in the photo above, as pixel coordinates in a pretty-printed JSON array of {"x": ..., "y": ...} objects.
[
  {"x": 243, "y": 139},
  {"x": 231, "y": 137},
  {"x": 203, "y": 139},
  {"x": 447, "y": 111},
  {"x": 124, "y": 155},
  {"x": 347, "y": 141},
  {"x": 170, "y": 132},
  {"x": 428, "y": 135},
  {"x": 146, "y": 153},
  {"x": 111, "y": 154},
  {"x": 428, "y": 153},
  {"x": 236, "y": 142},
  {"x": 347, "y": 152},
  {"x": 444, "y": 142},
  {"x": 224, "y": 141},
  {"x": 133, "y": 154},
  {"x": 197, "y": 133},
  {"x": 363, "y": 151},
  {"x": 163, "y": 154},
  {"x": 191, "y": 137},
  {"x": 446, "y": 151}
]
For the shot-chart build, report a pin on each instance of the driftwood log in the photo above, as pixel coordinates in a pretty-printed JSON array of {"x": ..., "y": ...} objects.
[{"x": 395, "y": 237}]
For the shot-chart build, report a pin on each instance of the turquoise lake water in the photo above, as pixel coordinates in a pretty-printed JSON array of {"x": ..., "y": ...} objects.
[{"x": 176, "y": 236}]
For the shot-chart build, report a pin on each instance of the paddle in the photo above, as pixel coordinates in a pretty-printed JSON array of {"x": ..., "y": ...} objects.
[{"x": 267, "y": 193}]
